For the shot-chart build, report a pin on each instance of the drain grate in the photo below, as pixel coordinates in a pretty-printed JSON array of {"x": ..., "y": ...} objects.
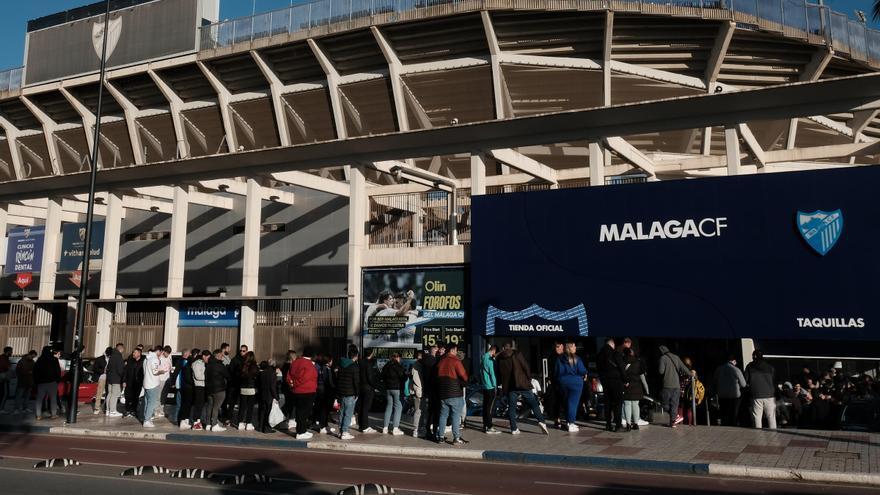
[{"x": 843, "y": 456}]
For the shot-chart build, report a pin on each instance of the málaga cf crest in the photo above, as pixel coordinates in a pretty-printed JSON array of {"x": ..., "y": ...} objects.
[{"x": 821, "y": 229}]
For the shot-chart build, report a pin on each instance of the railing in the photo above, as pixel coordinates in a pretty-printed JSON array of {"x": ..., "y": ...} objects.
[
  {"x": 411, "y": 220},
  {"x": 11, "y": 79},
  {"x": 795, "y": 18}
]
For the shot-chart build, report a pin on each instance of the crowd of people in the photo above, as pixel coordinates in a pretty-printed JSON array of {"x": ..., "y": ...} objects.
[{"x": 214, "y": 389}]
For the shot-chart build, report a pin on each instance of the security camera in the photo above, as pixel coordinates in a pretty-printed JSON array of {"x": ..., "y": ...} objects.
[{"x": 454, "y": 121}]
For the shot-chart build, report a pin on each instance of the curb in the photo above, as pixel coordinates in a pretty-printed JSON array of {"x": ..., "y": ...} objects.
[
  {"x": 735, "y": 471},
  {"x": 361, "y": 448},
  {"x": 25, "y": 428},
  {"x": 132, "y": 435},
  {"x": 235, "y": 441},
  {"x": 598, "y": 462}
]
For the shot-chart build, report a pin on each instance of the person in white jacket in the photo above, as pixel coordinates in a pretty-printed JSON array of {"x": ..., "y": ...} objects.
[
  {"x": 420, "y": 400},
  {"x": 152, "y": 386}
]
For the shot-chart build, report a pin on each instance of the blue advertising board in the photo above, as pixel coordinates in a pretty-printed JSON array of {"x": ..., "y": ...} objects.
[
  {"x": 778, "y": 256},
  {"x": 209, "y": 314},
  {"x": 24, "y": 251},
  {"x": 73, "y": 240}
]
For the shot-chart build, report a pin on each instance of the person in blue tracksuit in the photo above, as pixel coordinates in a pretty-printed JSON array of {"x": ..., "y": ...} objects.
[{"x": 570, "y": 373}]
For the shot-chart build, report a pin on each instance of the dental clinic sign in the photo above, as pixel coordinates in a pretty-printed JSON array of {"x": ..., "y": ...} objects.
[
  {"x": 209, "y": 314},
  {"x": 24, "y": 253}
]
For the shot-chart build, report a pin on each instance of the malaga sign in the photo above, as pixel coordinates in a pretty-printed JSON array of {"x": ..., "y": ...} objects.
[{"x": 780, "y": 255}]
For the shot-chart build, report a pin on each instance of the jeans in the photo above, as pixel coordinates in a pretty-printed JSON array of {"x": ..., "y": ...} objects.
[
  {"x": 215, "y": 402},
  {"x": 631, "y": 412},
  {"x": 151, "y": 401},
  {"x": 488, "y": 407},
  {"x": 99, "y": 394},
  {"x": 346, "y": 412},
  {"x": 420, "y": 414},
  {"x": 393, "y": 403},
  {"x": 453, "y": 407},
  {"x": 114, "y": 391},
  {"x": 765, "y": 408},
  {"x": 22, "y": 396},
  {"x": 669, "y": 401},
  {"x": 529, "y": 398},
  {"x": 47, "y": 391},
  {"x": 729, "y": 411},
  {"x": 572, "y": 397}
]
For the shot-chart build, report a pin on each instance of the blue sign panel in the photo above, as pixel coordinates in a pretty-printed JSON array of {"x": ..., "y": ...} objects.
[
  {"x": 763, "y": 256},
  {"x": 73, "y": 240},
  {"x": 24, "y": 251},
  {"x": 209, "y": 314}
]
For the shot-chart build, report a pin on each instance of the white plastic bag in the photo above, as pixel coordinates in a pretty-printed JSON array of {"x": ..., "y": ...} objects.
[{"x": 275, "y": 415}]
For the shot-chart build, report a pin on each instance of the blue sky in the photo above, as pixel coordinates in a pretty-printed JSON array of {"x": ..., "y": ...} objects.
[{"x": 12, "y": 23}]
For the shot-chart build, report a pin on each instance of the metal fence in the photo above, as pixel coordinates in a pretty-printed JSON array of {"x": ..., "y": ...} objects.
[
  {"x": 410, "y": 220},
  {"x": 20, "y": 329},
  {"x": 283, "y": 324},
  {"x": 11, "y": 79},
  {"x": 795, "y": 18}
]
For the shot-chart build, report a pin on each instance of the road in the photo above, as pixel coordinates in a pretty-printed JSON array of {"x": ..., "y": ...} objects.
[{"x": 324, "y": 472}]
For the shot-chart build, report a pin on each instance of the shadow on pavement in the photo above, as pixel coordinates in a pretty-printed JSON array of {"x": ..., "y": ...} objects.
[{"x": 283, "y": 479}]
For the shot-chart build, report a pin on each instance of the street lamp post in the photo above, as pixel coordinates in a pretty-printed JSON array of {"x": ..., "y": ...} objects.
[{"x": 75, "y": 361}]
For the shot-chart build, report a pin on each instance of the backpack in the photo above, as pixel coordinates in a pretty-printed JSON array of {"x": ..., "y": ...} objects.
[{"x": 698, "y": 390}]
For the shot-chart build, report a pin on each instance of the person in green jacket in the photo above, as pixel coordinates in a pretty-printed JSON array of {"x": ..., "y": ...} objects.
[{"x": 490, "y": 384}]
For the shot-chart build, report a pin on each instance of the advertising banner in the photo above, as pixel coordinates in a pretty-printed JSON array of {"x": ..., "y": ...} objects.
[
  {"x": 209, "y": 314},
  {"x": 773, "y": 256},
  {"x": 412, "y": 308},
  {"x": 73, "y": 240},
  {"x": 24, "y": 251}
]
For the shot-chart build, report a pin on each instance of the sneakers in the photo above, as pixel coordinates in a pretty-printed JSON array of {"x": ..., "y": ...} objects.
[
  {"x": 197, "y": 426},
  {"x": 544, "y": 427},
  {"x": 678, "y": 420},
  {"x": 368, "y": 430},
  {"x": 96, "y": 411},
  {"x": 385, "y": 430},
  {"x": 415, "y": 434},
  {"x": 249, "y": 427},
  {"x": 515, "y": 432},
  {"x": 114, "y": 414},
  {"x": 642, "y": 422},
  {"x": 572, "y": 428},
  {"x": 209, "y": 428},
  {"x": 54, "y": 416},
  {"x": 217, "y": 428},
  {"x": 241, "y": 426},
  {"x": 184, "y": 425},
  {"x": 457, "y": 441},
  {"x": 397, "y": 432},
  {"x": 492, "y": 431},
  {"x": 149, "y": 424},
  {"x": 346, "y": 436},
  {"x": 304, "y": 436}
]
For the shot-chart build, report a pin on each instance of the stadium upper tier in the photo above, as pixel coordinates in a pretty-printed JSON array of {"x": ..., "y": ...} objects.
[{"x": 341, "y": 69}]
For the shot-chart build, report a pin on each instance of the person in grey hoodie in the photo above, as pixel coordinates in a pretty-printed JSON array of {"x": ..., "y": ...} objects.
[
  {"x": 729, "y": 382},
  {"x": 198, "y": 376},
  {"x": 760, "y": 377},
  {"x": 671, "y": 369}
]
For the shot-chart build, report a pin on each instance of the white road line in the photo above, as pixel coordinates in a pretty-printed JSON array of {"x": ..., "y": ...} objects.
[
  {"x": 226, "y": 460},
  {"x": 99, "y": 450},
  {"x": 618, "y": 489},
  {"x": 383, "y": 471}
]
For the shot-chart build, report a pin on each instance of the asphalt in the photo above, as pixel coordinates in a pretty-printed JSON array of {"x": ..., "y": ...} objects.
[{"x": 311, "y": 471}]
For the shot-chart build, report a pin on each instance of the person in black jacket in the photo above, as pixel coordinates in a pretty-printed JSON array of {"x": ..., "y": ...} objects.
[
  {"x": 610, "y": 366},
  {"x": 348, "y": 382},
  {"x": 429, "y": 390},
  {"x": 185, "y": 387},
  {"x": 326, "y": 393},
  {"x": 115, "y": 372},
  {"x": 216, "y": 382},
  {"x": 47, "y": 373},
  {"x": 553, "y": 394},
  {"x": 368, "y": 384},
  {"x": 393, "y": 377},
  {"x": 233, "y": 387},
  {"x": 133, "y": 382},
  {"x": 268, "y": 390},
  {"x": 247, "y": 381}
]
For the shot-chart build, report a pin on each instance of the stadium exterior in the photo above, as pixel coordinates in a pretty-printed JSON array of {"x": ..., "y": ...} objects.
[{"x": 267, "y": 166}]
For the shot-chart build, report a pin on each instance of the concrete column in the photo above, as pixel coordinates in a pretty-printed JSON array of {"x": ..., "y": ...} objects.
[
  {"x": 478, "y": 174},
  {"x": 731, "y": 138},
  {"x": 51, "y": 247},
  {"x": 748, "y": 347},
  {"x": 109, "y": 270},
  {"x": 250, "y": 276},
  {"x": 357, "y": 219},
  {"x": 176, "y": 261},
  {"x": 597, "y": 165}
]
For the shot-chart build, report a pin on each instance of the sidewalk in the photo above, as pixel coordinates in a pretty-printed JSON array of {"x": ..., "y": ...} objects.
[{"x": 814, "y": 455}]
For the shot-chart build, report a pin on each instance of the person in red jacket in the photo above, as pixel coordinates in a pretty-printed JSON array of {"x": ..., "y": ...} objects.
[
  {"x": 302, "y": 378},
  {"x": 451, "y": 380}
]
